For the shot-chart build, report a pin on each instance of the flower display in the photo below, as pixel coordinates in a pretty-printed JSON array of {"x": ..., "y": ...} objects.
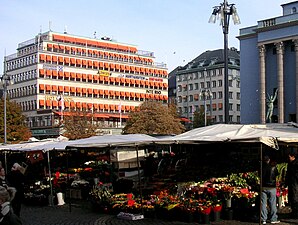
[{"x": 188, "y": 200}]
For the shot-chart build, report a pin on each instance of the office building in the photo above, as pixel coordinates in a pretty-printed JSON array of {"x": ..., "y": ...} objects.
[
  {"x": 200, "y": 86},
  {"x": 57, "y": 73}
]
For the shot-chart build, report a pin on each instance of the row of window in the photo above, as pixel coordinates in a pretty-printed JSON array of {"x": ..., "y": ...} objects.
[
  {"x": 96, "y": 79},
  {"x": 49, "y": 121},
  {"x": 22, "y": 91},
  {"x": 21, "y": 62},
  {"x": 24, "y": 76},
  {"x": 209, "y": 84},
  {"x": 99, "y": 54},
  {"x": 206, "y": 74},
  {"x": 214, "y": 107},
  {"x": 89, "y": 64},
  {"x": 207, "y": 96}
]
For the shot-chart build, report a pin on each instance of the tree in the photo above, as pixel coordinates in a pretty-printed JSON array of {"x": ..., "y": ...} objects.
[
  {"x": 79, "y": 124},
  {"x": 153, "y": 117},
  {"x": 199, "y": 118},
  {"x": 16, "y": 129}
]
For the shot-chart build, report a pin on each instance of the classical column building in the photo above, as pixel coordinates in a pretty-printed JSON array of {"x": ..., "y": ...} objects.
[{"x": 269, "y": 64}]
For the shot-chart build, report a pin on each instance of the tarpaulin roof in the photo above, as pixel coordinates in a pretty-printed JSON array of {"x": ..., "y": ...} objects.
[
  {"x": 114, "y": 140},
  {"x": 269, "y": 134},
  {"x": 95, "y": 141}
]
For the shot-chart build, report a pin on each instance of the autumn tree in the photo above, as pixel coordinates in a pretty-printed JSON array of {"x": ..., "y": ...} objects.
[
  {"x": 153, "y": 117},
  {"x": 16, "y": 129},
  {"x": 199, "y": 118},
  {"x": 79, "y": 124}
]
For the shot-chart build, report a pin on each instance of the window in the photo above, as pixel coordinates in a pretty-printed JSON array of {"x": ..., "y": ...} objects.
[
  {"x": 196, "y": 76},
  {"x": 220, "y": 95},
  {"x": 230, "y": 95},
  {"x": 179, "y": 99},
  {"x": 238, "y": 95},
  {"x": 230, "y": 83},
  {"x": 238, "y": 83},
  {"x": 231, "y": 107},
  {"x": 220, "y": 83},
  {"x": 294, "y": 10},
  {"x": 190, "y": 98},
  {"x": 214, "y": 83},
  {"x": 196, "y": 86},
  {"x": 238, "y": 107},
  {"x": 190, "y": 87},
  {"x": 208, "y": 84},
  {"x": 202, "y": 84},
  {"x": 230, "y": 118}
]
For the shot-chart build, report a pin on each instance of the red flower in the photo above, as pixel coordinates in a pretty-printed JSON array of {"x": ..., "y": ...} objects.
[
  {"x": 129, "y": 196},
  {"x": 206, "y": 211},
  {"x": 217, "y": 208},
  {"x": 244, "y": 191},
  {"x": 130, "y": 202}
]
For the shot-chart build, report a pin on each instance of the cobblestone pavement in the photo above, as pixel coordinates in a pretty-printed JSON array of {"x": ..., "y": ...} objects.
[{"x": 83, "y": 215}]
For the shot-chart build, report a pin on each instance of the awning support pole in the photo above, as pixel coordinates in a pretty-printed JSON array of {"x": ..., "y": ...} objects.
[{"x": 51, "y": 197}]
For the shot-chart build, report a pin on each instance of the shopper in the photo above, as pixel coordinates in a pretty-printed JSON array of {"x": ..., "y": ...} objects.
[
  {"x": 292, "y": 183},
  {"x": 268, "y": 195},
  {"x": 16, "y": 179},
  {"x": 7, "y": 216},
  {"x": 2, "y": 178}
]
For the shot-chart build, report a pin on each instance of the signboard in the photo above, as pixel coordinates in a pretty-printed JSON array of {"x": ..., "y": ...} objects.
[
  {"x": 41, "y": 132},
  {"x": 103, "y": 73}
]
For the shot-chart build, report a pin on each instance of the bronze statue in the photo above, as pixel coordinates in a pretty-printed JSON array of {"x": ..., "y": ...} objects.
[{"x": 270, "y": 105}]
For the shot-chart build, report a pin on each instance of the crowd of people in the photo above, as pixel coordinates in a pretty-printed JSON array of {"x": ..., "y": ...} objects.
[{"x": 11, "y": 194}]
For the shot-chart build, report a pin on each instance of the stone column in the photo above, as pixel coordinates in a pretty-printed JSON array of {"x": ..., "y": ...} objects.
[
  {"x": 280, "y": 81},
  {"x": 262, "y": 54},
  {"x": 296, "y": 52}
]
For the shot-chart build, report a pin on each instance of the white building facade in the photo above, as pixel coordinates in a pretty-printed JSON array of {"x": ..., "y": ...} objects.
[
  {"x": 56, "y": 73},
  {"x": 200, "y": 87}
]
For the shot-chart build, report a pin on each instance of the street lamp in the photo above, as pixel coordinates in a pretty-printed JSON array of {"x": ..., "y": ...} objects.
[
  {"x": 205, "y": 93},
  {"x": 5, "y": 82},
  {"x": 223, "y": 13}
]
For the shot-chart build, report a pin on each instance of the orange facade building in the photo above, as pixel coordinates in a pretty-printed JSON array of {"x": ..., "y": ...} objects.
[{"x": 55, "y": 74}]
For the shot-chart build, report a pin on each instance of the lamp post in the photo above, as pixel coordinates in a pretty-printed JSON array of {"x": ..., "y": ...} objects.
[
  {"x": 205, "y": 93},
  {"x": 223, "y": 12},
  {"x": 5, "y": 82}
]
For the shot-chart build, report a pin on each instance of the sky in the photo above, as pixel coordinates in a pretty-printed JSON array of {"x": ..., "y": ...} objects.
[{"x": 177, "y": 31}]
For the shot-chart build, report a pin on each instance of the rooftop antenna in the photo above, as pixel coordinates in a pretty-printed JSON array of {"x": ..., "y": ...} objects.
[
  {"x": 94, "y": 34},
  {"x": 40, "y": 29},
  {"x": 65, "y": 29},
  {"x": 50, "y": 25}
]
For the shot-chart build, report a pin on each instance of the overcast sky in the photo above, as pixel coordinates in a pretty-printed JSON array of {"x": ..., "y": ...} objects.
[{"x": 176, "y": 31}]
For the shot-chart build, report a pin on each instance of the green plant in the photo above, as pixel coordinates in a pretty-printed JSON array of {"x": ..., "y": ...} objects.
[{"x": 282, "y": 170}]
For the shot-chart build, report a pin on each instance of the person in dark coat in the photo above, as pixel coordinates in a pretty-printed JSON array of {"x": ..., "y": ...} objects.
[
  {"x": 3, "y": 182},
  {"x": 7, "y": 216},
  {"x": 16, "y": 179},
  {"x": 292, "y": 183}
]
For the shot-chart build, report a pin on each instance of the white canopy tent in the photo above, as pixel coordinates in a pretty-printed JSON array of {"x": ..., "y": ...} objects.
[
  {"x": 92, "y": 142},
  {"x": 268, "y": 134}
]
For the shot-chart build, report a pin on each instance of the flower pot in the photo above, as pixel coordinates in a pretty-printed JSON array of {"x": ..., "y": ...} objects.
[
  {"x": 228, "y": 203},
  {"x": 216, "y": 216},
  {"x": 205, "y": 218},
  {"x": 228, "y": 214}
]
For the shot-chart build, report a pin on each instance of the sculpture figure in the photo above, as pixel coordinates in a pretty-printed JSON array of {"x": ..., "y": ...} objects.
[{"x": 270, "y": 106}]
